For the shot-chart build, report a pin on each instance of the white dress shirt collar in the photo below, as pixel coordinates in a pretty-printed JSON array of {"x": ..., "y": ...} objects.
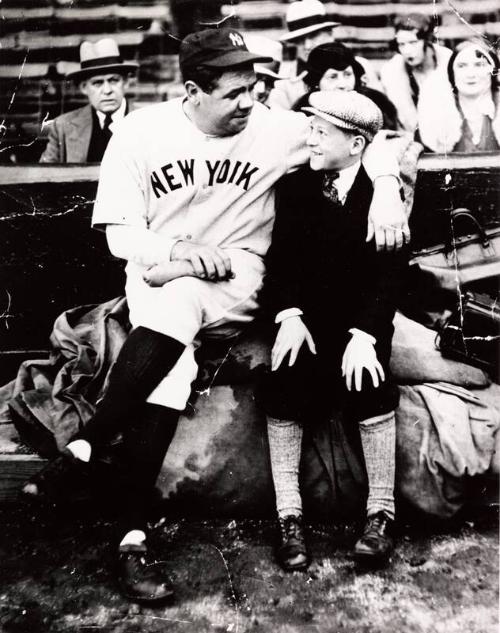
[
  {"x": 346, "y": 179},
  {"x": 116, "y": 116}
]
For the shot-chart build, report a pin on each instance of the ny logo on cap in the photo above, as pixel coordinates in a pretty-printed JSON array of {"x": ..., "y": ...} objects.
[{"x": 236, "y": 39}]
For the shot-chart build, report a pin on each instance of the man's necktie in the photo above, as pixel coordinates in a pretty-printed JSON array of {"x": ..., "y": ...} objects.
[
  {"x": 330, "y": 190},
  {"x": 105, "y": 128}
]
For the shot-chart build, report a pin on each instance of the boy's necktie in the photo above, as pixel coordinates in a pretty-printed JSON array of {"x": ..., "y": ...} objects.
[{"x": 330, "y": 190}]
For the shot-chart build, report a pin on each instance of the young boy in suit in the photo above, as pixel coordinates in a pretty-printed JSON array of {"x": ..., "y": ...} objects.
[{"x": 334, "y": 300}]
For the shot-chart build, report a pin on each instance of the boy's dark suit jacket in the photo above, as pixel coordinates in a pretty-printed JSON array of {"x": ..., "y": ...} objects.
[{"x": 320, "y": 262}]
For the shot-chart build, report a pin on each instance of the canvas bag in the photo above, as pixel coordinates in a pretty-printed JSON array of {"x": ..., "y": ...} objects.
[{"x": 445, "y": 441}]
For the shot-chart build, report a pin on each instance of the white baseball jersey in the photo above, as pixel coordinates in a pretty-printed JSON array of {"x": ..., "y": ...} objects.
[{"x": 161, "y": 172}]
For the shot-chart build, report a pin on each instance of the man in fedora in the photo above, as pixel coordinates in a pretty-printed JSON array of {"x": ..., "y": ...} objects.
[
  {"x": 81, "y": 136},
  {"x": 308, "y": 27}
]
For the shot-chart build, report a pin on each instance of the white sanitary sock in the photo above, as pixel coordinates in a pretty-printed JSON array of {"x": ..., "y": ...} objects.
[
  {"x": 81, "y": 449},
  {"x": 134, "y": 537}
]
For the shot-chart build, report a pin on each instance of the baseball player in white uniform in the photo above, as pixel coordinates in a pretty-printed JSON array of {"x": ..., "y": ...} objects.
[{"x": 186, "y": 197}]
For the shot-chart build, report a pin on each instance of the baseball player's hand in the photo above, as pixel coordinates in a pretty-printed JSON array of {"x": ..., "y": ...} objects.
[
  {"x": 160, "y": 274},
  {"x": 360, "y": 355},
  {"x": 387, "y": 220},
  {"x": 290, "y": 338},
  {"x": 209, "y": 262}
]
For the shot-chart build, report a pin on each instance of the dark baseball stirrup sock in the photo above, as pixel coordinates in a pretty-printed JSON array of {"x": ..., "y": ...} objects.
[
  {"x": 145, "y": 444},
  {"x": 378, "y": 439},
  {"x": 145, "y": 358}
]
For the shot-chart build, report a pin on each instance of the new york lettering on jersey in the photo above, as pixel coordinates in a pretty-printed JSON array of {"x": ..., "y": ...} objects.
[{"x": 181, "y": 173}]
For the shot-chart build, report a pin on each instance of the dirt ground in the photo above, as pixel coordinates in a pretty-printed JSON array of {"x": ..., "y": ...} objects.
[{"x": 56, "y": 576}]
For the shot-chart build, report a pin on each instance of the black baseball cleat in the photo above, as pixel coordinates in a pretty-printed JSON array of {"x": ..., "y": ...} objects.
[
  {"x": 139, "y": 580},
  {"x": 376, "y": 544},
  {"x": 55, "y": 478},
  {"x": 292, "y": 552}
]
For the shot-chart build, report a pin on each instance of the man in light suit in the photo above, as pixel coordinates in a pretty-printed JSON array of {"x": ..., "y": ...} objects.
[{"x": 81, "y": 136}]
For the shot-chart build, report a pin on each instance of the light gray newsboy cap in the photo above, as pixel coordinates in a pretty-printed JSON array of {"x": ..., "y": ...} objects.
[{"x": 348, "y": 110}]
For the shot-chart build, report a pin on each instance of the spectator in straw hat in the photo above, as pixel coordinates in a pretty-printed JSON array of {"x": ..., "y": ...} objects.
[
  {"x": 325, "y": 357},
  {"x": 266, "y": 73},
  {"x": 82, "y": 135},
  {"x": 308, "y": 27}
]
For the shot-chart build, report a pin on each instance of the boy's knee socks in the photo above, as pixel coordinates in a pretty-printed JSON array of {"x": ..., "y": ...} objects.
[
  {"x": 285, "y": 447},
  {"x": 378, "y": 439}
]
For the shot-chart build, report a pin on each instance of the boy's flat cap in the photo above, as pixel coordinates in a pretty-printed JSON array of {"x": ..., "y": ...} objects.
[{"x": 348, "y": 110}]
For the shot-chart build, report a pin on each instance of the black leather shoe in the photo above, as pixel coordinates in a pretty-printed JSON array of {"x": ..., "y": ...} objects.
[
  {"x": 55, "y": 478},
  {"x": 139, "y": 580},
  {"x": 376, "y": 544},
  {"x": 292, "y": 553}
]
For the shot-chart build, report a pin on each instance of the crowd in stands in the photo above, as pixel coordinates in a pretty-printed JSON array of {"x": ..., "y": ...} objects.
[{"x": 447, "y": 100}]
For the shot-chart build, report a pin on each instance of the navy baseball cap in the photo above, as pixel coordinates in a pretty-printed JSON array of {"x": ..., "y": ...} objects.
[{"x": 216, "y": 48}]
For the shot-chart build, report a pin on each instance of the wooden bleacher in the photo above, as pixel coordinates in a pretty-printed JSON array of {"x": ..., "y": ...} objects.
[
  {"x": 366, "y": 24},
  {"x": 40, "y": 44},
  {"x": 41, "y": 39}
]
